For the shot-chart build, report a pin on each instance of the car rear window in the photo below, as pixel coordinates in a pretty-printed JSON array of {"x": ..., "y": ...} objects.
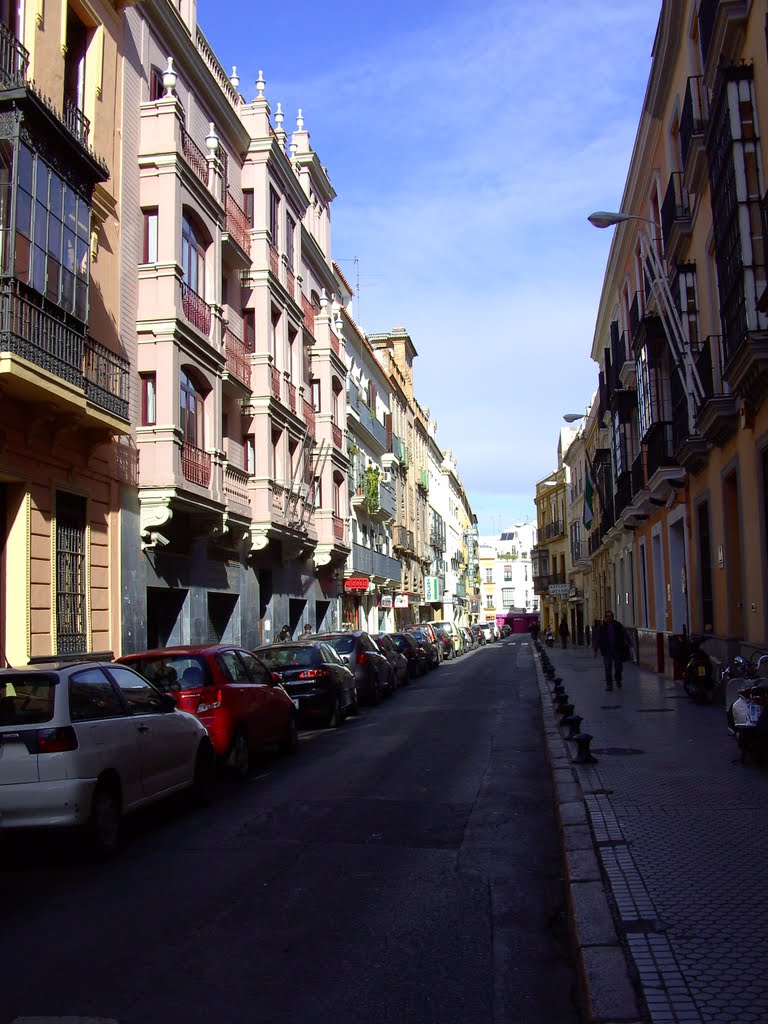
[
  {"x": 343, "y": 644},
  {"x": 26, "y": 699},
  {"x": 172, "y": 672},
  {"x": 276, "y": 658}
]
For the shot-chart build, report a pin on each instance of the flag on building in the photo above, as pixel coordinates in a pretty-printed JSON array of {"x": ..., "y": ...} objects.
[{"x": 589, "y": 491}]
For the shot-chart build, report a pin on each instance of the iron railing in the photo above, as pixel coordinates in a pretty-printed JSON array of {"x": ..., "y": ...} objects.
[
  {"x": 14, "y": 60},
  {"x": 196, "y": 309},
  {"x": 693, "y": 118},
  {"x": 194, "y": 156},
  {"x": 676, "y": 206},
  {"x": 195, "y": 465},
  {"x": 76, "y": 122},
  {"x": 237, "y": 224},
  {"x": 106, "y": 378},
  {"x": 236, "y": 357}
]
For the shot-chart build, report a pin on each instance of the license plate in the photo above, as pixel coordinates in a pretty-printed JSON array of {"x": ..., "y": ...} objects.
[
  {"x": 754, "y": 711},
  {"x": 702, "y": 670}
]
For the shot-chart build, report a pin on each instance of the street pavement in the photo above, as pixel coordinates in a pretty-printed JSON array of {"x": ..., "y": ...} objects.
[{"x": 678, "y": 825}]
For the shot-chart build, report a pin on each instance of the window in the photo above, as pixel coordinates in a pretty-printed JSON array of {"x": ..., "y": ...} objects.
[
  {"x": 508, "y": 597},
  {"x": 192, "y": 258},
  {"x": 250, "y": 454},
  {"x": 150, "y": 236},
  {"x": 156, "y": 90},
  {"x": 92, "y": 696},
  {"x": 249, "y": 330},
  {"x": 290, "y": 229},
  {"x": 507, "y": 573},
  {"x": 489, "y": 601},
  {"x": 142, "y": 698},
  {"x": 71, "y": 624},
  {"x": 74, "y": 61},
  {"x": 148, "y": 399},
  {"x": 53, "y": 229},
  {"x": 274, "y": 218},
  {"x": 316, "y": 395},
  {"x": 190, "y": 411},
  {"x": 248, "y": 205},
  {"x": 489, "y": 575}
]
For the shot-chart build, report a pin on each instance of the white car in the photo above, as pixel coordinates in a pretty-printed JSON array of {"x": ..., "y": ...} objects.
[
  {"x": 488, "y": 631},
  {"x": 83, "y": 744}
]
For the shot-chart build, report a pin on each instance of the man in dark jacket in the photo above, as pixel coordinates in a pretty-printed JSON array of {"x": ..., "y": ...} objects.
[{"x": 611, "y": 640}]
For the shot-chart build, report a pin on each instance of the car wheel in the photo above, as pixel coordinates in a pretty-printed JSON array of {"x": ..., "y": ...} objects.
[
  {"x": 375, "y": 690},
  {"x": 334, "y": 719},
  {"x": 204, "y": 774},
  {"x": 290, "y": 742},
  {"x": 103, "y": 829},
  {"x": 239, "y": 760}
]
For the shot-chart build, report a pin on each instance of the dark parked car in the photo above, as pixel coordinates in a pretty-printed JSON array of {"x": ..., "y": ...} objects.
[
  {"x": 373, "y": 674},
  {"x": 396, "y": 659},
  {"x": 313, "y": 675},
  {"x": 469, "y": 637},
  {"x": 407, "y": 644},
  {"x": 478, "y": 636},
  {"x": 423, "y": 640},
  {"x": 243, "y": 707}
]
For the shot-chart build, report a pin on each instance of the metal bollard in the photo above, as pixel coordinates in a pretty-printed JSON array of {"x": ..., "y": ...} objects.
[
  {"x": 565, "y": 711},
  {"x": 559, "y": 699},
  {"x": 574, "y": 723},
  {"x": 583, "y": 754}
]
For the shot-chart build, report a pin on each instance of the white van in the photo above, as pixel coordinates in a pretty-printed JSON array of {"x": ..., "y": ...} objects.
[{"x": 445, "y": 626}]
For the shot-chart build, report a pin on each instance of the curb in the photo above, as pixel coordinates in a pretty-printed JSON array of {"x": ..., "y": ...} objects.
[{"x": 608, "y": 982}]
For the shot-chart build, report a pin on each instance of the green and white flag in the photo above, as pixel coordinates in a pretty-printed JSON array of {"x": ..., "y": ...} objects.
[{"x": 589, "y": 491}]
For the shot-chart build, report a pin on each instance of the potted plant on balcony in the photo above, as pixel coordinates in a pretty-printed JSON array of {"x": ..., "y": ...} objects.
[{"x": 371, "y": 489}]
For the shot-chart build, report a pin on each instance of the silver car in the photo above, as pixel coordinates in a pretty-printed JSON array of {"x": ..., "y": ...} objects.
[{"x": 83, "y": 744}]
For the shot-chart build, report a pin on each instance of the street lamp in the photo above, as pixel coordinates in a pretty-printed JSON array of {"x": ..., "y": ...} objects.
[
  {"x": 574, "y": 417},
  {"x": 607, "y": 219}
]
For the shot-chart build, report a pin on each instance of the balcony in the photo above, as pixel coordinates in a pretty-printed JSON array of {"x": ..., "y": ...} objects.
[
  {"x": 337, "y": 436},
  {"x": 237, "y": 234},
  {"x": 14, "y": 61},
  {"x": 275, "y": 380},
  {"x": 196, "y": 465},
  {"x": 403, "y": 538},
  {"x": 551, "y": 531},
  {"x": 80, "y": 376},
  {"x": 196, "y": 310},
  {"x": 422, "y": 480},
  {"x": 721, "y": 23},
  {"x": 693, "y": 123},
  {"x": 194, "y": 156},
  {"x": 309, "y": 417},
  {"x": 623, "y": 494},
  {"x": 363, "y": 415},
  {"x": 309, "y": 314},
  {"x": 675, "y": 218},
  {"x": 718, "y": 416},
  {"x": 373, "y": 563},
  {"x": 647, "y": 330},
  {"x": 236, "y": 363}
]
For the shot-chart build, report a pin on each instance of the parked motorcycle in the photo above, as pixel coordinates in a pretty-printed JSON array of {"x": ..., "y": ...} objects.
[
  {"x": 549, "y": 638},
  {"x": 699, "y": 679},
  {"x": 746, "y": 701}
]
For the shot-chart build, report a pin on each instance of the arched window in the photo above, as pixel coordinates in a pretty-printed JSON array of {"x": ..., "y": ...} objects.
[
  {"x": 190, "y": 411},
  {"x": 192, "y": 257}
]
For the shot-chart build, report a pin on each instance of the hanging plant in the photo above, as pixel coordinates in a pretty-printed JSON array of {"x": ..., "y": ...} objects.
[{"x": 371, "y": 489}]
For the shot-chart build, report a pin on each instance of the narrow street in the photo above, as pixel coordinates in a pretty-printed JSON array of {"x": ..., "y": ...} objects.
[{"x": 404, "y": 868}]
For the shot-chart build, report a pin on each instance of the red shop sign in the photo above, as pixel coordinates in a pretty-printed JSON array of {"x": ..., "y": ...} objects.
[{"x": 356, "y": 583}]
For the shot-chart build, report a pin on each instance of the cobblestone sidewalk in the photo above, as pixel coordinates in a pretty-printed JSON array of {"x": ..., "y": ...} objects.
[{"x": 680, "y": 826}]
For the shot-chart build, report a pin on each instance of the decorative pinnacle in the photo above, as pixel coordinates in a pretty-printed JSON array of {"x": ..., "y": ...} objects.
[
  {"x": 234, "y": 78},
  {"x": 279, "y": 117},
  {"x": 260, "y": 83},
  {"x": 300, "y": 121}
]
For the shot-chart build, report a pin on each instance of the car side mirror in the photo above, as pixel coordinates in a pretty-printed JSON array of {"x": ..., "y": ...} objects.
[{"x": 168, "y": 702}]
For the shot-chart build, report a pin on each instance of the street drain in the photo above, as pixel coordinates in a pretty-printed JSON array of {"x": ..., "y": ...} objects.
[{"x": 617, "y": 751}]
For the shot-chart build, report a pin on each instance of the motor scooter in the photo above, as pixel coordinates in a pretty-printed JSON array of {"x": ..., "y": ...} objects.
[
  {"x": 549, "y": 638},
  {"x": 699, "y": 678},
  {"x": 746, "y": 701}
]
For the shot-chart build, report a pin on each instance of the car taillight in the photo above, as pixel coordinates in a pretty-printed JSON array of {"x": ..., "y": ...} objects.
[
  {"x": 362, "y": 657},
  {"x": 314, "y": 673},
  {"x": 209, "y": 701},
  {"x": 55, "y": 741}
]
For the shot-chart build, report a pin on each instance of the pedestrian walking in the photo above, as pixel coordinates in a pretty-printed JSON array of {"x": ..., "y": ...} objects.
[
  {"x": 534, "y": 631},
  {"x": 564, "y": 632},
  {"x": 611, "y": 639}
]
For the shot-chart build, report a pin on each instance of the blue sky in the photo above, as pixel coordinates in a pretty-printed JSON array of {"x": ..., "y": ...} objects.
[{"x": 467, "y": 142}]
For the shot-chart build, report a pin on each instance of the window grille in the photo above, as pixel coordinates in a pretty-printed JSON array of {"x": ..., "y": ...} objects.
[{"x": 71, "y": 574}]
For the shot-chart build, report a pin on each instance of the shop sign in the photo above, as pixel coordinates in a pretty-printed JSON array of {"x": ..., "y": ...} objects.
[
  {"x": 385, "y": 601},
  {"x": 356, "y": 584},
  {"x": 559, "y": 589},
  {"x": 401, "y": 600},
  {"x": 433, "y": 588}
]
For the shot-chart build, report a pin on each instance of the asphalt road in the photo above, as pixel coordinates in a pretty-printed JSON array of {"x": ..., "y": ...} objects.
[{"x": 404, "y": 868}]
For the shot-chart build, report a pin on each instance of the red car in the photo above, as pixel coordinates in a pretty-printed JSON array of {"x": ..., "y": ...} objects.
[{"x": 239, "y": 701}]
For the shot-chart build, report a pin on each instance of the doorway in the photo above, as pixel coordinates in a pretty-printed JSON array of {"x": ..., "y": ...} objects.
[{"x": 164, "y": 619}]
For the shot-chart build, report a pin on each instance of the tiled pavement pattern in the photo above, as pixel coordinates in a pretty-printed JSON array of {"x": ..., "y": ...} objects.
[{"x": 682, "y": 830}]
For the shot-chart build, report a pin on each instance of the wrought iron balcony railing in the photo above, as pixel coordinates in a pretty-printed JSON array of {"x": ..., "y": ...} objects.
[
  {"x": 237, "y": 224},
  {"x": 236, "y": 357},
  {"x": 195, "y": 465},
  {"x": 14, "y": 60},
  {"x": 693, "y": 118},
  {"x": 676, "y": 207},
  {"x": 196, "y": 309},
  {"x": 107, "y": 377}
]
